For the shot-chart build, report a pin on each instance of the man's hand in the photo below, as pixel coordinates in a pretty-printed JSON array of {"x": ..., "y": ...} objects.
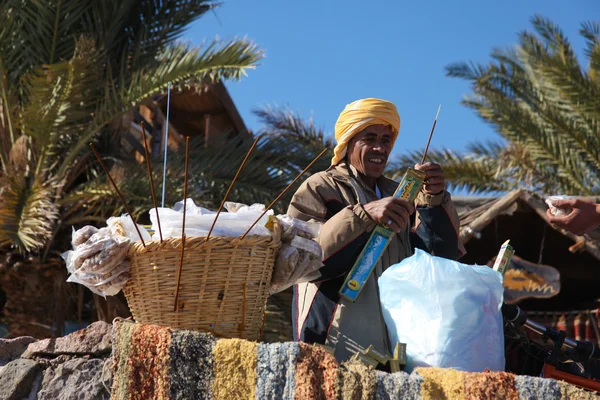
[
  {"x": 435, "y": 181},
  {"x": 584, "y": 215},
  {"x": 391, "y": 212}
]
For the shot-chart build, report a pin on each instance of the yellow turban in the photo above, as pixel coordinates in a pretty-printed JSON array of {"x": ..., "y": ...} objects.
[{"x": 357, "y": 116}]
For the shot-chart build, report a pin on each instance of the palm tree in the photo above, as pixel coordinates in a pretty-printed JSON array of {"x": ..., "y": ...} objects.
[
  {"x": 287, "y": 144},
  {"x": 68, "y": 70},
  {"x": 546, "y": 109}
]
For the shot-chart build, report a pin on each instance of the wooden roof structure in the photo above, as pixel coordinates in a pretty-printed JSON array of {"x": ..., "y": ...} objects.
[
  {"x": 520, "y": 215},
  {"x": 477, "y": 212},
  {"x": 208, "y": 112}
]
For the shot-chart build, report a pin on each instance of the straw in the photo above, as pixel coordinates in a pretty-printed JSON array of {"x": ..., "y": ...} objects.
[
  {"x": 284, "y": 192},
  {"x": 231, "y": 186},
  {"x": 431, "y": 134},
  {"x": 151, "y": 179},
  {"x": 118, "y": 192},
  {"x": 187, "y": 157},
  {"x": 243, "y": 324}
]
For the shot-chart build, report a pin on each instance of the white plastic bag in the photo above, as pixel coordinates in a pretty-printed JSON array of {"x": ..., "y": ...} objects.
[
  {"x": 447, "y": 313},
  {"x": 198, "y": 221}
]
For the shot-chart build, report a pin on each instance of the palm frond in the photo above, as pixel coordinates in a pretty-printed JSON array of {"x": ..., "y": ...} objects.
[
  {"x": 542, "y": 102},
  {"x": 69, "y": 69},
  {"x": 27, "y": 212},
  {"x": 210, "y": 174},
  {"x": 184, "y": 67},
  {"x": 289, "y": 134},
  {"x": 62, "y": 98},
  {"x": 591, "y": 32},
  {"x": 134, "y": 31},
  {"x": 475, "y": 174}
]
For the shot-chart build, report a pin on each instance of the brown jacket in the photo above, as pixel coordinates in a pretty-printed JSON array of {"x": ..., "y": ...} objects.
[{"x": 335, "y": 198}]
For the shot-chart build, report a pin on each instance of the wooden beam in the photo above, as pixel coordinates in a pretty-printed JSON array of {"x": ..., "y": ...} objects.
[
  {"x": 135, "y": 143},
  {"x": 468, "y": 231},
  {"x": 160, "y": 120},
  {"x": 224, "y": 98}
]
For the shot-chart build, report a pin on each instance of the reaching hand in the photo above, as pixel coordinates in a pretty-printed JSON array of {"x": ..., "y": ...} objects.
[
  {"x": 583, "y": 217},
  {"x": 435, "y": 181},
  {"x": 390, "y": 211}
]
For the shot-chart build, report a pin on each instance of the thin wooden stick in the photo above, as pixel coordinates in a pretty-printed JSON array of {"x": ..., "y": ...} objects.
[
  {"x": 151, "y": 180},
  {"x": 431, "y": 134},
  {"x": 284, "y": 192},
  {"x": 231, "y": 186},
  {"x": 187, "y": 158},
  {"x": 118, "y": 192}
]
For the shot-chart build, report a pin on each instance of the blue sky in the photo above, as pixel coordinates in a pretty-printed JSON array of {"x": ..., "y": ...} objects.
[{"x": 321, "y": 55}]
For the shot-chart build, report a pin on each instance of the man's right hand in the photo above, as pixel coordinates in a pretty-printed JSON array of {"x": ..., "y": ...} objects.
[{"x": 390, "y": 211}]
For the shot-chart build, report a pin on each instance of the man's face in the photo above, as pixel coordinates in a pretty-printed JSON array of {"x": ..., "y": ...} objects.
[{"x": 369, "y": 150}]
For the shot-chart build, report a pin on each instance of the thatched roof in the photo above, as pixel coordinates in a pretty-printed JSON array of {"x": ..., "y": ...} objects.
[{"x": 477, "y": 212}]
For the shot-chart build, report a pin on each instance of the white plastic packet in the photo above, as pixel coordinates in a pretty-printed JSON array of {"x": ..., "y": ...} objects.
[
  {"x": 192, "y": 208},
  {"x": 308, "y": 245},
  {"x": 300, "y": 256},
  {"x": 98, "y": 259},
  {"x": 123, "y": 226},
  {"x": 294, "y": 227},
  {"x": 285, "y": 264},
  {"x": 558, "y": 212},
  {"x": 198, "y": 221},
  {"x": 81, "y": 236},
  {"x": 447, "y": 313}
]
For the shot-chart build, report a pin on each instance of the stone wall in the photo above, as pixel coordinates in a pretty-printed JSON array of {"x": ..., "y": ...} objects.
[
  {"x": 76, "y": 366},
  {"x": 181, "y": 364}
]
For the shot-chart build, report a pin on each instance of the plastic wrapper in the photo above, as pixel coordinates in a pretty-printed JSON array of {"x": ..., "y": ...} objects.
[
  {"x": 558, "y": 212},
  {"x": 104, "y": 285},
  {"x": 233, "y": 207},
  {"x": 99, "y": 262},
  {"x": 300, "y": 256},
  {"x": 307, "y": 245},
  {"x": 287, "y": 259},
  {"x": 123, "y": 226},
  {"x": 198, "y": 220},
  {"x": 81, "y": 236},
  {"x": 311, "y": 271},
  {"x": 447, "y": 313},
  {"x": 292, "y": 227}
]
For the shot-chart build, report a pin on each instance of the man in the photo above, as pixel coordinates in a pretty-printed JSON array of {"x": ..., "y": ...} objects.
[
  {"x": 583, "y": 217},
  {"x": 350, "y": 199}
]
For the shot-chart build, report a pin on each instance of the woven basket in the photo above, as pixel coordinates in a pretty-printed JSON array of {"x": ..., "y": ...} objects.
[{"x": 224, "y": 283}]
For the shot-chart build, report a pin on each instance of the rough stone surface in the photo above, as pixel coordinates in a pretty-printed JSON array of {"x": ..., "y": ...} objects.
[
  {"x": 95, "y": 340},
  {"x": 77, "y": 379},
  {"x": 35, "y": 387},
  {"x": 11, "y": 349},
  {"x": 17, "y": 378}
]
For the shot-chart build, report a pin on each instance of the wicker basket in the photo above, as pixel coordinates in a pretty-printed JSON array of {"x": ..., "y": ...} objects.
[{"x": 224, "y": 283}]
